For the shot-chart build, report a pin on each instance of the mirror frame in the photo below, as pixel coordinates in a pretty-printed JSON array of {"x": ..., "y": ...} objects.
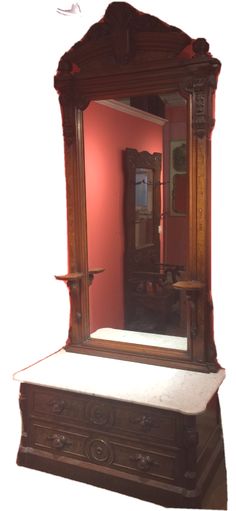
[{"x": 129, "y": 53}]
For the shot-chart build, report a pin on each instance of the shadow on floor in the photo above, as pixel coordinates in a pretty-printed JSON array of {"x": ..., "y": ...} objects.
[{"x": 216, "y": 495}]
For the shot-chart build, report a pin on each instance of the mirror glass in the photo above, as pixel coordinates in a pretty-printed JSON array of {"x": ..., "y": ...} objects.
[
  {"x": 143, "y": 207},
  {"x": 144, "y": 256}
]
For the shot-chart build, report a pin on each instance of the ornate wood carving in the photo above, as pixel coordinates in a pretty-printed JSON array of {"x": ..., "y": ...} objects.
[
  {"x": 202, "y": 89},
  {"x": 129, "y": 53},
  {"x": 203, "y": 122},
  {"x": 201, "y": 47},
  {"x": 144, "y": 462},
  {"x": 116, "y": 40},
  {"x": 99, "y": 450},
  {"x": 99, "y": 414},
  {"x": 59, "y": 441},
  {"x": 57, "y": 406}
]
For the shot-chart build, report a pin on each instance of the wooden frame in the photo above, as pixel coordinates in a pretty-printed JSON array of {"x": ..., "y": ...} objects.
[
  {"x": 176, "y": 144},
  {"x": 130, "y": 53}
]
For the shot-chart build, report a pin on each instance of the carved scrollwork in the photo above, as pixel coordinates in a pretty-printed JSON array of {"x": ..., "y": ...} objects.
[
  {"x": 201, "y": 89},
  {"x": 144, "y": 159},
  {"x": 120, "y": 26},
  {"x": 100, "y": 451},
  {"x": 119, "y": 22}
]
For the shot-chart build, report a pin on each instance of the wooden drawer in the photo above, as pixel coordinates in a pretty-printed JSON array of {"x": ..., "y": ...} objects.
[
  {"x": 120, "y": 418},
  {"x": 150, "y": 423},
  {"x": 105, "y": 450},
  {"x": 59, "y": 404},
  {"x": 57, "y": 440},
  {"x": 131, "y": 458}
]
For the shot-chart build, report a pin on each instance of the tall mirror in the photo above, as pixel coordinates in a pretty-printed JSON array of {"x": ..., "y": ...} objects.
[
  {"x": 137, "y": 218},
  {"x": 137, "y": 102}
]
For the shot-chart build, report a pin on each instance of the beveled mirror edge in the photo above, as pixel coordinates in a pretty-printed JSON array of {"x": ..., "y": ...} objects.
[{"x": 196, "y": 79}]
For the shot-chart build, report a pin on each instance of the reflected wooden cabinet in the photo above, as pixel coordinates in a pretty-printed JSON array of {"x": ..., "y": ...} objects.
[{"x": 151, "y": 303}]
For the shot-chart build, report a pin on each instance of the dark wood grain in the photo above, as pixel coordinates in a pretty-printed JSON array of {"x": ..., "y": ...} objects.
[
  {"x": 153, "y": 454},
  {"x": 129, "y": 53}
]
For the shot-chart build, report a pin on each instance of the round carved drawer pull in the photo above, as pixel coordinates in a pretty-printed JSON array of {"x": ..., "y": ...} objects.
[
  {"x": 144, "y": 462},
  {"x": 59, "y": 441}
]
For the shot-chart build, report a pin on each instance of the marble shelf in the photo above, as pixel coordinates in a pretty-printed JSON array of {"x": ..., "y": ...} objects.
[
  {"x": 147, "y": 339},
  {"x": 178, "y": 390}
]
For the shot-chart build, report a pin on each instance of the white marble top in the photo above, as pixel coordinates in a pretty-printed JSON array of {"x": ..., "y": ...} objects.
[
  {"x": 148, "y": 339},
  {"x": 173, "y": 389}
]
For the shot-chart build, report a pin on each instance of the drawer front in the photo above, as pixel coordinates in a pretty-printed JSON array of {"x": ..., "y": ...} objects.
[
  {"x": 120, "y": 418},
  {"x": 58, "y": 404},
  {"x": 104, "y": 450},
  {"x": 57, "y": 440},
  {"x": 131, "y": 458},
  {"x": 129, "y": 419},
  {"x": 150, "y": 423}
]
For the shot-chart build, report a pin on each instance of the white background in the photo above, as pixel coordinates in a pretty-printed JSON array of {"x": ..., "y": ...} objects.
[{"x": 34, "y": 306}]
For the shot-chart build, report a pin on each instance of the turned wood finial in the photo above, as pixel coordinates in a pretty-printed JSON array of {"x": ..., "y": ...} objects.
[{"x": 201, "y": 46}]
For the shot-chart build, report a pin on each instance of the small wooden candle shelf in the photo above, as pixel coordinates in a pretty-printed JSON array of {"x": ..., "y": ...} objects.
[{"x": 189, "y": 285}]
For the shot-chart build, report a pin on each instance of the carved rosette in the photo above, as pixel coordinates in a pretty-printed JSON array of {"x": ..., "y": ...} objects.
[
  {"x": 99, "y": 414},
  {"x": 99, "y": 450}
]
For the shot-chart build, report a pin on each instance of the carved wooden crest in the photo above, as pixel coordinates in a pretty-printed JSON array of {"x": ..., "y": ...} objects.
[{"x": 123, "y": 35}]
